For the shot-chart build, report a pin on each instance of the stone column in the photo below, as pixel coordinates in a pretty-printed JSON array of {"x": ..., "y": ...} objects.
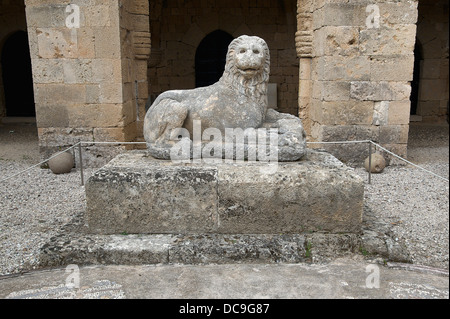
[
  {"x": 135, "y": 35},
  {"x": 84, "y": 72},
  {"x": 362, "y": 66},
  {"x": 303, "y": 43}
]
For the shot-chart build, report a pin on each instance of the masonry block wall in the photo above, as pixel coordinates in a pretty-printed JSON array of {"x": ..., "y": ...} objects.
[
  {"x": 361, "y": 68},
  {"x": 178, "y": 27},
  {"x": 82, "y": 60}
]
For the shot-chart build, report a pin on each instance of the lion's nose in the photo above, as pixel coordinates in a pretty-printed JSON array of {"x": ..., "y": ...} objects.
[
  {"x": 253, "y": 63},
  {"x": 251, "y": 60}
]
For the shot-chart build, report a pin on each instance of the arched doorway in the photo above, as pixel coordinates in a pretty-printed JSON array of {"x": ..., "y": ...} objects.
[
  {"x": 17, "y": 76},
  {"x": 210, "y": 58}
]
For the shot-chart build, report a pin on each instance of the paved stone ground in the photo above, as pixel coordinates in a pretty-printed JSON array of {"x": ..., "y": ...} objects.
[
  {"x": 19, "y": 142},
  {"x": 340, "y": 279}
]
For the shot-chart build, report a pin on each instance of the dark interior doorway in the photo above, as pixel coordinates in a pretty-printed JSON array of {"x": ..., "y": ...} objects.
[
  {"x": 17, "y": 76},
  {"x": 210, "y": 58},
  {"x": 416, "y": 79}
]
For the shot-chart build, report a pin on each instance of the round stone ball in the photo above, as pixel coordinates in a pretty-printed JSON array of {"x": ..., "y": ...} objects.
[
  {"x": 378, "y": 163},
  {"x": 61, "y": 164}
]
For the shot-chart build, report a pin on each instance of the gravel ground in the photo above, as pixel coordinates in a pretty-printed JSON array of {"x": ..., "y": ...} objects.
[
  {"x": 415, "y": 202},
  {"x": 35, "y": 205}
]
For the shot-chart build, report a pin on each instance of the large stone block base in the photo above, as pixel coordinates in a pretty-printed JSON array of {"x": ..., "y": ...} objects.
[{"x": 137, "y": 194}]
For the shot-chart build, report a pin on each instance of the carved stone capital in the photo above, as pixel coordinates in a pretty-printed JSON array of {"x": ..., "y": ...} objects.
[{"x": 304, "y": 34}]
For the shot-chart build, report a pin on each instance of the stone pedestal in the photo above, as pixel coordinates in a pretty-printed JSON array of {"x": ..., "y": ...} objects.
[{"x": 138, "y": 194}]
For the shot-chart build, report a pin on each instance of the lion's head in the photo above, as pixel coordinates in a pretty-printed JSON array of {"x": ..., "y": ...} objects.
[{"x": 248, "y": 66}]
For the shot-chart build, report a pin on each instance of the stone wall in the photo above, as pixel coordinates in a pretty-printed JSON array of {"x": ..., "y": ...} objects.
[
  {"x": 361, "y": 66},
  {"x": 433, "y": 43},
  {"x": 178, "y": 27},
  {"x": 12, "y": 19},
  {"x": 84, "y": 71}
]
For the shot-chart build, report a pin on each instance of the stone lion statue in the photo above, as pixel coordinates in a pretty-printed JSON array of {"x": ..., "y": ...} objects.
[{"x": 237, "y": 101}]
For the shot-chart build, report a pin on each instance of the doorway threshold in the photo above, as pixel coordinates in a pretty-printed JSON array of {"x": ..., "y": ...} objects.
[
  {"x": 17, "y": 119},
  {"x": 415, "y": 118}
]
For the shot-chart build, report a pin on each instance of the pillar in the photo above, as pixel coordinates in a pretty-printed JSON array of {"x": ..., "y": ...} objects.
[{"x": 87, "y": 76}]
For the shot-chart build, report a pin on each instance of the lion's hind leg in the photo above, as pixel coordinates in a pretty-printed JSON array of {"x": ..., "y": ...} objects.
[{"x": 161, "y": 119}]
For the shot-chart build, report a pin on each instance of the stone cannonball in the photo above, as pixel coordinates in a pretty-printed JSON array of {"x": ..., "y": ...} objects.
[
  {"x": 62, "y": 163},
  {"x": 378, "y": 163}
]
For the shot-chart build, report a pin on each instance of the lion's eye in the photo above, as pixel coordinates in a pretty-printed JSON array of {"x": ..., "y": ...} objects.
[
  {"x": 242, "y": 51},
  {"x": 256, "y": 51}
]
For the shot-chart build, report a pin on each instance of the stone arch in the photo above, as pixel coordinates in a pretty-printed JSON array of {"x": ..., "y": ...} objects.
[
  {"x": 17, "y": 75},
  {"x": 210, "y": 57}
]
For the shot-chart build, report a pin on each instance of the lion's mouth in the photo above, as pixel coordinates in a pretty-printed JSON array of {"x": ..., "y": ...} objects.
[{"x": 248, "y": 70}]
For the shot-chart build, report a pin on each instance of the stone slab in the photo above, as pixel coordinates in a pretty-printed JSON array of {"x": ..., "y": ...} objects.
[
  {"x": 88, "y": 249},
  {"x": 137, "y": 194},
  {"x": 341, "y": 279}
]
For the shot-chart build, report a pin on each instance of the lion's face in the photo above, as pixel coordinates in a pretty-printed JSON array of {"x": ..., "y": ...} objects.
[
  {"x": 248, "y": 67},
  {"x": 249, "y": 57}
]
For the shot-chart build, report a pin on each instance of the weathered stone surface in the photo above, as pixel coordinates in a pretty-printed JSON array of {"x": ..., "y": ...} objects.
[
  {"x": 340, "y": 14},
  {"x": 47, "y": 71},
  {"x": 362, "y": 66},
  {"x": 299, "y": 197},
  {"x": 399, "y": 39},
  {"x": 237, "y": 101},
  {"x": 136, "y": 193},
  {"x": 392, "y": 68},
  {"x": 379, "y": 91},
  {"x": 399, "y": 112},
  {"x": 50, "y": 116},
  {"x": 342, "y": 68},
  {"x": 352, "y": 154},
  {"x": 332, "y": 40},
  {"x": 224, "y": 248},
  {"x": 345, "y": 112},
  {"x": 390, "y": 134},
  {"x": 75, "y": 245},
  {"x": 380, "y": 113},
  {"x": 160, "y": 198},
  {"x": 84, "y": 76},
  {"x": 87, "y": 249}
]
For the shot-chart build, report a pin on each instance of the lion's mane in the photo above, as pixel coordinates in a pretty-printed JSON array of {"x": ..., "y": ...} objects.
[{"x": 255, "y": 87}]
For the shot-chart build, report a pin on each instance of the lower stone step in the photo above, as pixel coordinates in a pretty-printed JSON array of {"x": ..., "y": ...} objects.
[{"x": 194, "y": 249}]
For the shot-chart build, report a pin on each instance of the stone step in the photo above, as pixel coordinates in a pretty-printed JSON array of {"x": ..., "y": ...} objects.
[{"x": 195, "y": 249}]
